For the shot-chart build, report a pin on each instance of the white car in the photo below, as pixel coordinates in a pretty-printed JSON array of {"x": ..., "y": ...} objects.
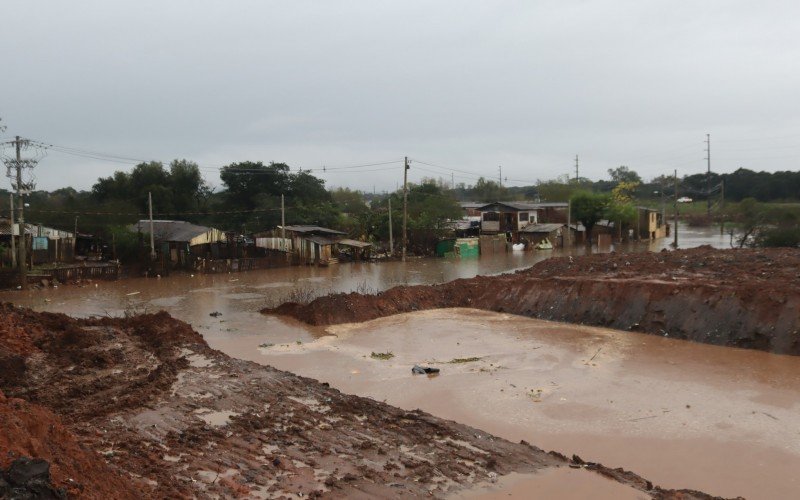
[{"x": 684, "y": 199}]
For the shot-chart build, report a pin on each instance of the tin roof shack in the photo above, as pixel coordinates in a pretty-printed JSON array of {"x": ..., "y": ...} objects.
[
  {"x": 353, "y": 250},
  {"x": 650, "y": 224},
  {"x": 178, "y": 243},
  {"x": 46, "y": 245},
  {"x": 313, "y": 245},
  {"x": 535, "y": 234}
]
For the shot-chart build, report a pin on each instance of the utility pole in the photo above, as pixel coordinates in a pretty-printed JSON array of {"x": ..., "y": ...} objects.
[
  {"x": 391, "y": 237},
  {"x": 283, "y": 224},
  {"x": 675, "y": 242},
  {"x": 452, "y": 181},
  {"x": 577, "y": 177},
  {"x": 708, "y": 174},
  {"x": 152, "y": 236},
  {"x": 568, "y": 239},
  {"x": 500, "y": 174},
  {"x": 405, "y": 208},
  {"x": 75, "y": 237},
  {"x": 11, "y": 227},
  {"x": 22, "y": 260}
]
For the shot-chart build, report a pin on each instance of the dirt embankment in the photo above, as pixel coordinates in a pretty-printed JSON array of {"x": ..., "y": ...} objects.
[
  {"x": 142, "y": 407},
  {"x": 742, "y": 298}
]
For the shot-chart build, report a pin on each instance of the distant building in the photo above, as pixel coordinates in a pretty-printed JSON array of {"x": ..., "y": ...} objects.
[
  {"x": 179, "y": 243},
  {"x": 510, "y": 217}
]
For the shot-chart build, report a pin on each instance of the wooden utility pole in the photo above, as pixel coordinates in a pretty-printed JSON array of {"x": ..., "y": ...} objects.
[
  {"x": 11, "y": 228},
  {"x": 22, "y": 260},
  {"x": 675, "y": 233},
  {"x": 75, "y": 237},
  {"x": 391, "y": 237},
  {"x": 577, "y": 177},
  {"x": 405, "y": 208},
  {"x": 152, "y": 236},
  {"x": 568, "y": 239},
  {"x": 283, "y": 224},
  {"x": 500, "y": 174}
]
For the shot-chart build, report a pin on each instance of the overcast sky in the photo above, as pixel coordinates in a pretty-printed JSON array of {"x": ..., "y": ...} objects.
[{"x": 464, "y": 85}]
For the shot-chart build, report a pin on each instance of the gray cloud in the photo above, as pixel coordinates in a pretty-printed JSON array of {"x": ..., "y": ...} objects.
[{"x": 468, "y": 85}]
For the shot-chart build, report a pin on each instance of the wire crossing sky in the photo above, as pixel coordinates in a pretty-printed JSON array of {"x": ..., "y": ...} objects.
[{"x": 463, "y": 86}]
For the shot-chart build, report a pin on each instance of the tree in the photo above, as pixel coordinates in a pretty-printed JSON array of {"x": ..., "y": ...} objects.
[
  {"x": 189, "y": 190},
  {"x": 589, "y": 209},
  {"x": 247, "y": 181},
  {"x": 488, "y": 191},
  {"x": 624, "y": 174}
]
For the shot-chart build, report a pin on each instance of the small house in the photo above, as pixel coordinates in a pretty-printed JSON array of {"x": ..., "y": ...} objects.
[
  {"x": 534, "y": 234},
  {"x": 179, "y": 243},
  {"x": 510, "y": 217},
  {"x": 313, "y": 245}
]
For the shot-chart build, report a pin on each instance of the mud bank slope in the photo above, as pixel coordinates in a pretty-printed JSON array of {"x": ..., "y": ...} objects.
[
  {"x": 143, "y": 407},
  {"x": 741, "y": 298}
]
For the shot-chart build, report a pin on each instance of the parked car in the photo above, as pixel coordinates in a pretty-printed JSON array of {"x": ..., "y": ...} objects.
[{"x": 684, "y": 199}]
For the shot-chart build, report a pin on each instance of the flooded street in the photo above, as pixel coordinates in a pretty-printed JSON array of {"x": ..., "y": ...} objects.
[{"x": 721, "y": 420}]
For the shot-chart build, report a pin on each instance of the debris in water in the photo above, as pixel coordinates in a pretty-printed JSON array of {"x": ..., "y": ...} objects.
[
  {"x": 423, "y": 370},
  {"x": 133, "y": 293},
  {"x": 215, "y": 314}
]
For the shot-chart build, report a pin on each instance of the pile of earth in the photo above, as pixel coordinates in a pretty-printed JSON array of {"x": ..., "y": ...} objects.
[
  {"x": 142, "y": 407},
  {"x": 739, "y": 297}
]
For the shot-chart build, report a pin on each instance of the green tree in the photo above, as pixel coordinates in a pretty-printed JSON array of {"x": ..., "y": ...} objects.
[
  {"x": 624, "y": 174},
  {"x": 488, "y": 191},
  {"x": 589, "y": 209}
]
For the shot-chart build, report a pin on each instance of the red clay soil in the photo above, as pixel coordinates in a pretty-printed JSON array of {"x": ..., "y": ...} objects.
[
  {"x": 739, "y": 297},
  {"x": 143, "y": 407}
]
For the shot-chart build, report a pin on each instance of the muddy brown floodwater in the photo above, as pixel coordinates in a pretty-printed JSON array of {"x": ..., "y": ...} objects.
[{"x": 681, "y": 414}]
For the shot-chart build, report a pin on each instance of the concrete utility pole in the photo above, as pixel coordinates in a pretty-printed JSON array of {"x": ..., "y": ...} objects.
[
  {"x": 708, "y": 174},
  {"x": 500, "y": 174},
  {"x": 11, "y": 227},
  {"x": 22, "y": 260},
  {"x": 405, "y": 208},
  {"x": 391, "y": 237},
  {"x": 152, "y": 236},
  {"x": 675, "y": 241},
  {"x": 577, "y": 177}
]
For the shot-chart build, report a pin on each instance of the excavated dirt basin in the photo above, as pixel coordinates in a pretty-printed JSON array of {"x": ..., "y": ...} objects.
[
  {"x": 142, "y": 407},
  {"x": 739, "y": 298}
]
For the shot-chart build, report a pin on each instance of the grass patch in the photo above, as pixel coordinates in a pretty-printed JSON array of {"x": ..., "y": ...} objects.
[{"x": 383, "y": 356}]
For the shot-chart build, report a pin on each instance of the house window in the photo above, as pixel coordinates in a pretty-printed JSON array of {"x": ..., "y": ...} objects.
[
  {"x": 491, "y": 216},
  {"x": 523, "y": 217}
]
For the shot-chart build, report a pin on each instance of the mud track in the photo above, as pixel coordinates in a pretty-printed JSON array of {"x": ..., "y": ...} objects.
[
  {"x": 740, "y": 298},
  {"x": 142, "y": 407}
]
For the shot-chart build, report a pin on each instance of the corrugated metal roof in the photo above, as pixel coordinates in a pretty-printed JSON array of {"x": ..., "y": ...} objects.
[
  {"x": 354, "y": 243},
  {"x": 542, "y": 228},
  {"x": 319, "y": 240},
  {"x": 172, "y": 230},
  {"x": 521, "y": 206},
  {"x": 311, "y": 229}
]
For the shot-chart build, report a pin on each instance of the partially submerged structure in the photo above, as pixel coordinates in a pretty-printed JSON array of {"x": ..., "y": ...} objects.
[
  {"x": 315, "y": 245},
  {"x": 180, "y": 243},
  {"x": 510, "y": 217}
]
